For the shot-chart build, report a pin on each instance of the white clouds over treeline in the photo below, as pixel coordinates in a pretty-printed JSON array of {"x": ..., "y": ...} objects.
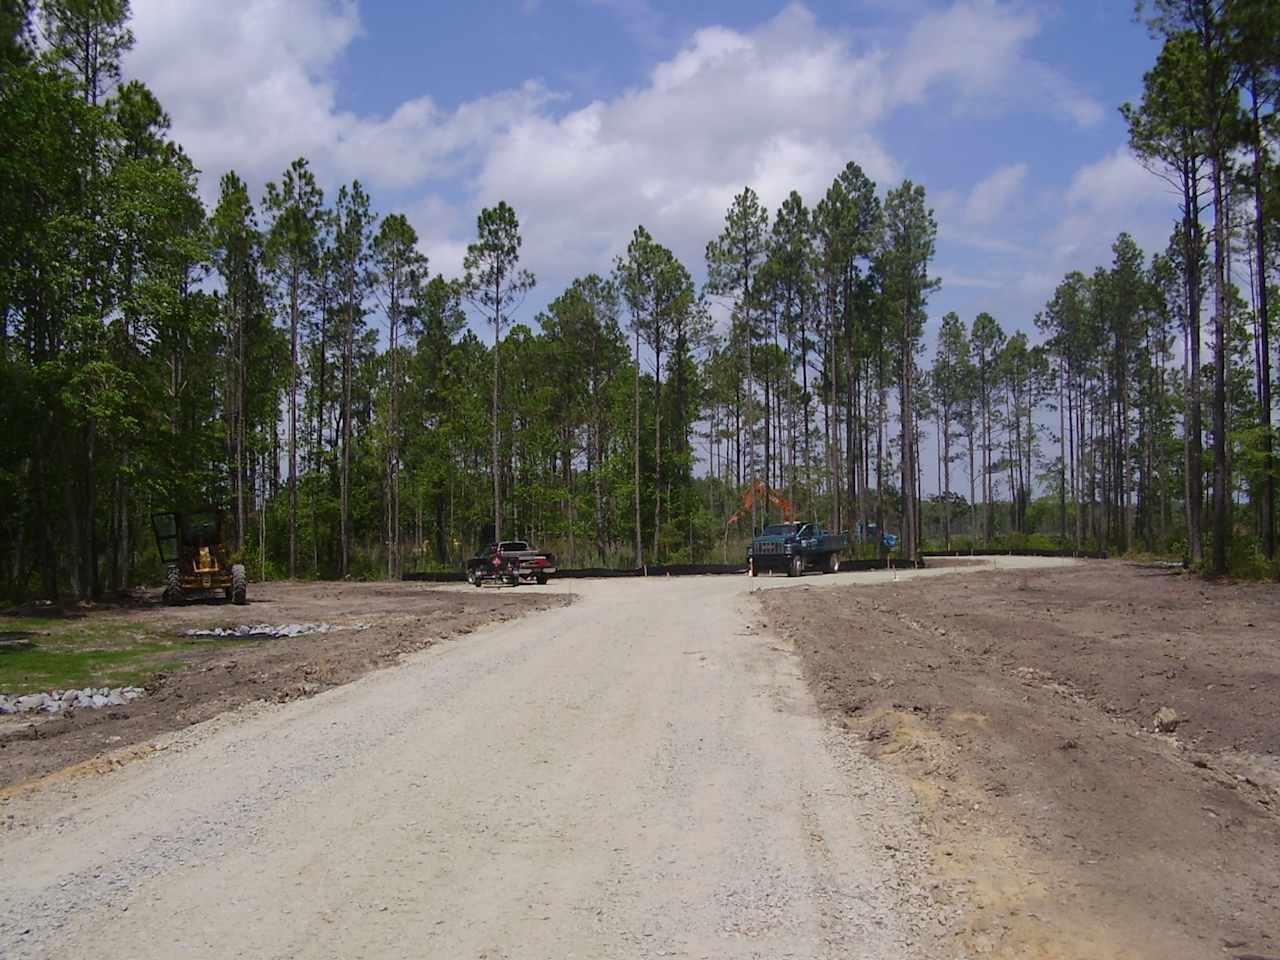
[{"x": 781, "y": 106}]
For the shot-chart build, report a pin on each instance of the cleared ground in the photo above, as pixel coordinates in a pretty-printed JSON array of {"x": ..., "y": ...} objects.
[
  {"x": 959, "y": 762},
  {"x": 643, "y": 773},
  {"x": 191, "y": 680},
  {"x": 1022, "y": 707}
]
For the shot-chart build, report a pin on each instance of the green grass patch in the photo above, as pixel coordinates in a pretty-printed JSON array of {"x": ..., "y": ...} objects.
[
  {"x": 38, "y": 654},
  {"x": 41, "y": 668}
]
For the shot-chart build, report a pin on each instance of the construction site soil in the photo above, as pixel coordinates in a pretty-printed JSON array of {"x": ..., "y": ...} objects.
[
  {"x": 1068, "y": 818},
  {"x": 379, "y": 623}
]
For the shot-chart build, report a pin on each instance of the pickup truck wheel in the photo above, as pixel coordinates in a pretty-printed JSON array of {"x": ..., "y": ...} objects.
[
  {"x": 541, "y": 579},
  {"x": 751, "y": 567},
  {"x": 797, "y": 566},
  {"x": 833, "y": 563}
]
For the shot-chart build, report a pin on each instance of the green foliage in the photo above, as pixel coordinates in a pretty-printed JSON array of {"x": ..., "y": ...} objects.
[
  {"x": 295, "y": 362},
  {"x": 1245, "y": 558}
]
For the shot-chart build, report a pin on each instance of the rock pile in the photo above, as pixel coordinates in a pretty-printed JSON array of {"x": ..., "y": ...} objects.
[
  {"x": 90, "y": 698},
  {"x": 251, "y": 630}
]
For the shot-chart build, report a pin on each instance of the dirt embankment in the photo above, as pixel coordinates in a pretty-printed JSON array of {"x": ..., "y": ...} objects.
[
  {"x": 394, "y": 619},
  {"x": 1023, "y": 707}
]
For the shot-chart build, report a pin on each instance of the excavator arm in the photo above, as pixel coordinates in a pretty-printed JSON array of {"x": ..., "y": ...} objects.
[{"x": 759, "y": 487}]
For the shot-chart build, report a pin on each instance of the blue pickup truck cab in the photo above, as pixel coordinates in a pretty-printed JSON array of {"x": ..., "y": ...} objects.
[{"x": 795, "y": 548}]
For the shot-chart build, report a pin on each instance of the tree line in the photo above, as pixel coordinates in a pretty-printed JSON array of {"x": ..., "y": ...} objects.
[{"x": 294, "y": 358}]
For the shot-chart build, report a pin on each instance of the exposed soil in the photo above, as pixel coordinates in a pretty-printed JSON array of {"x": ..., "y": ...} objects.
[
  {"x": 400, "y": 618},
  {"x": 641, "y": 775},
  {"x": 1022, "y": 707}
]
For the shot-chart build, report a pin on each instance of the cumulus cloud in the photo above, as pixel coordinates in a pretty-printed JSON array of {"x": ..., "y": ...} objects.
[
  {"x": 780, "y": 106},
  {"x": 254, "y": 92},
  {"x": 991, "y": 198},
  {"x": 975, "y": 51},
  {"x": 1113, "y": 194}
]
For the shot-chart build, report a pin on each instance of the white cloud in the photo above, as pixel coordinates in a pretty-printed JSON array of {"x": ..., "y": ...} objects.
[
  {"x": 781, "y": 106},
  {"x": 975, "y": 52},
  {"x": 1118, "y": 180},
  {"x": 245, "y": 81},
  {"x": 955, "y": 277},
  {"x": 440, "y": 227},
  {"x": 991, "y": 198},
  {"x": 254, "y": 91},
  {"x": 1106, "y": 197}
]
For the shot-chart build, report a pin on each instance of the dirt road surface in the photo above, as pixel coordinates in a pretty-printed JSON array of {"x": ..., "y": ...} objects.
[
  {"x": 378, "y": 624},
  {"x": 644, "y": 773}
]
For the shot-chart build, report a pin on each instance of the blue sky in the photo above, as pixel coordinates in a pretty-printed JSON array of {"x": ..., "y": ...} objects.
[{"x": 590, "y": 116}]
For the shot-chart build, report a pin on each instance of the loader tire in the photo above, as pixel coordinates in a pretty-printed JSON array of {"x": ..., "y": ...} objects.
[
  {"x": 239, "y": 585},
  {"x": 173, "y": 587}
]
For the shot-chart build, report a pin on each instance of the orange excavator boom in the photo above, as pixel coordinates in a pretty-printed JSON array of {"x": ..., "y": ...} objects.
[{"x": 770, "y": 494}]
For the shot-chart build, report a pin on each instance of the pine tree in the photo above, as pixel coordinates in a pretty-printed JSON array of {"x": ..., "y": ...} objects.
[
  {"x": 291, "y": 255},
  {"x": 496, "y": 286}
]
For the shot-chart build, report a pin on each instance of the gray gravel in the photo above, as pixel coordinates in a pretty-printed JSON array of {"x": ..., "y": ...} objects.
[
  {"x": 641, "y": 774},
  {"x": 274, "y": 631},
  {"x": 56, "y": 701}
]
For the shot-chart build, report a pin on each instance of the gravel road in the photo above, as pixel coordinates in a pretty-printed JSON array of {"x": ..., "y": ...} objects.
[{"x": 641, "y": 774}]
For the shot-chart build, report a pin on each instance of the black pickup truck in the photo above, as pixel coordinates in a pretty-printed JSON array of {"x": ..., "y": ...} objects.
[
  {"x": 795, "y": 548},
  {"x": 510, "y": 562}
]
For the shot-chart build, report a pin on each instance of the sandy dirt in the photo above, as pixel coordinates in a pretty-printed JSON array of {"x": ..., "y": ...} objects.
[
  {"x": 400, "y": 618},
  {"x": 643, "y": 773},
  {"x": 1022, "y": 706}
]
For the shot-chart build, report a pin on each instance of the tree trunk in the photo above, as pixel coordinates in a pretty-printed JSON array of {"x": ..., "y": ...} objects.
[
  {"x": 1191, "y": 237},
  {"x": 944, "y": 425},
  {"x": 639, "y": 534},
  {"x": 908, "y": 450},
  {"x": 393, "y": 432},
  {"x": 1267, "y": 517},
  {"x": 344, "y": 568},
  {"x": 973, "y": 493},
  {"x": 987, "y": 497},
  {"x": 497, "y": 475},
  {"x": 293, "y": 424},
  {"x": 1221, "y": 474},
  {"x": 657, "y": 444},
  {"x": 1062, "y": 451}
]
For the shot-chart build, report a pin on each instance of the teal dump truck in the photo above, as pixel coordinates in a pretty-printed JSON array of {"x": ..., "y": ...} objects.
[{"x": 795, "y": 548}]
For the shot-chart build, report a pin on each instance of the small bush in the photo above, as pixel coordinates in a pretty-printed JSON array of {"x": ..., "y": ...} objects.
[{"x": 1245, "y": 559}]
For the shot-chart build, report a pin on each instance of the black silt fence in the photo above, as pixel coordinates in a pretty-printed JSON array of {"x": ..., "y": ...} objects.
[
  {"x": 686, "y": 569},
  {"x": 1081, "y": 554},
  {"x": 583, "y": 573},
  {"x": 437, "y": 576}
]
